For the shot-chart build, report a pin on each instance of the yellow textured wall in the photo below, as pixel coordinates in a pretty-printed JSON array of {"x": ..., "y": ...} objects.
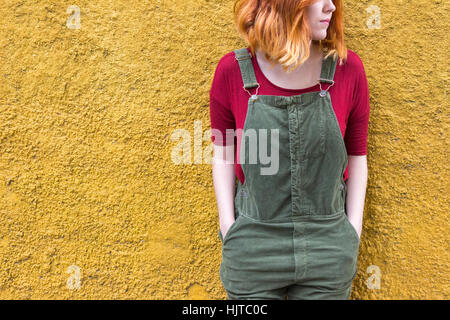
[{"x": 92, "y": 204}]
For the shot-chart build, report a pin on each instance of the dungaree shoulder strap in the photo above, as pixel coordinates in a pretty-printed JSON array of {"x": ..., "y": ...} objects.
[
  {"x": 328, "y": 69},
  {"x": 327, "y": 73},
  {"x": 245, "y": 64},
  {"x": 248, "y": 73}
]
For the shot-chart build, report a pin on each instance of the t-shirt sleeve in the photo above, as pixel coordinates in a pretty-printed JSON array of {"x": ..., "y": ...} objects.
[
  {"x": 358, "y": 120},
  {"x": 221, "y": 115}
]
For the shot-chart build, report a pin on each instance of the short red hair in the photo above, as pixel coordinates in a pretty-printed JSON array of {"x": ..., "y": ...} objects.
[{"x": 281, "y": 30}]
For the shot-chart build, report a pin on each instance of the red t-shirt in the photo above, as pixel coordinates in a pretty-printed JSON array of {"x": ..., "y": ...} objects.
[{"x": 349, "y": 97}]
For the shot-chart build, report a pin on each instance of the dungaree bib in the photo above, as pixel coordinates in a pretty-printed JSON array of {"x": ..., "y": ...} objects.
[{"x": 291, "y": 235}]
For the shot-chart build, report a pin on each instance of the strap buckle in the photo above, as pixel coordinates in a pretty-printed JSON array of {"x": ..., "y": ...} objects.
[
  {"x": 253, "y": 96},
  {"x": 324, "y": 92}
]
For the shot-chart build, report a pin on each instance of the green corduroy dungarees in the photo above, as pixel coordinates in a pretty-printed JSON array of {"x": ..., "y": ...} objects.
[{"x": 291, "y": 237}]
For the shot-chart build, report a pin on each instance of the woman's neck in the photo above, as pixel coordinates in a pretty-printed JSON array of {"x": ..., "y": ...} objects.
[{"x": 304, "y": 76}]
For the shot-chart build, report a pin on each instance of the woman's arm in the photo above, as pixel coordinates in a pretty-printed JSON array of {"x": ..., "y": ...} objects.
[
  {"x": 224, "y": 185},
  {"x": 356, "y": 190}
]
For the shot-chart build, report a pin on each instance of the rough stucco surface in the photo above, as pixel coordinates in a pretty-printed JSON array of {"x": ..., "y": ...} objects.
[{"x": 86, "y": 176}]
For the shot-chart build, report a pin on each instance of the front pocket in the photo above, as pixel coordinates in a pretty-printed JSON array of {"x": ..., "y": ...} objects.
[{"x": 330, "y": 247}]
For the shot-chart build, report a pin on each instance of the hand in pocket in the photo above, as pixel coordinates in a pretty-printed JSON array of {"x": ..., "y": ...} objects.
[{"x": 227, "y": 229}]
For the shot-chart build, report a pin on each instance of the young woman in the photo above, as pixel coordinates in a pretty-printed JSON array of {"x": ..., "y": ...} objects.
[{"x": 296, "y": 96}]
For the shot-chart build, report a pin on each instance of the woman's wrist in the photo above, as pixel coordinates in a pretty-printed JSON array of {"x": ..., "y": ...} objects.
[{"x": 226, "y": 224}]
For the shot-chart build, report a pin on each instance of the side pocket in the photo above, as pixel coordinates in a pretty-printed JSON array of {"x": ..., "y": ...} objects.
[
  {"x": 230, "y": 229},
  {"x": 237, "y": 202},
  {"x": 355, "y": 245},
  {"x": 352, "y": 230}
]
